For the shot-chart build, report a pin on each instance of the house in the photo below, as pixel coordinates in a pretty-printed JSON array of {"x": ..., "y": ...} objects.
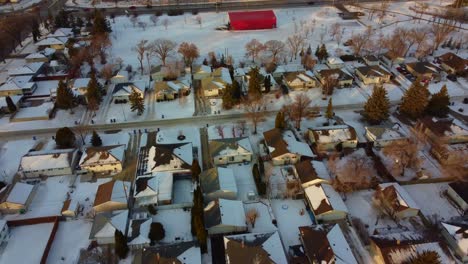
[
  {"x": 283, "y": 147},
  {"x": 458, "y": 192},
  {"x": 123, "y": 90},
  {"x": 4, "y": 232},
  {"x": 80, "y": 85},
  {"x": 48, "y": 163},
  {"x": 218, "y": 183},
  {"x": 111, "y": 196},
  {"x": 180, "y": 253},
  {"x": 170, "y": 90},
  {"x": 230, "y": 150},
  {"x": 344, "y": 79},
  {"x": 373, "y": 74},
  {"x": 105, "y": 225},
  {"x": 325, "y": 203},
  {"x": 397, "y": 248},
  {"x": 138, "y": 231},
  {"x": 443, "y": 130},
  {"x": 252, "y": 20},
  {"x": 57, "y": 43},
  {"x": 381, "y": 136},
  {"x": 213, "y": 86},
  {"x": 18, "y": 85},
  {"x": 165, "y": 157},
  {"x": 36, "y": 57},
  {"x": 299, "y": 80},
  {"x": 33, "y": 68},
  {"x": 451, "y": 154},
  {"x": 307, "y": 174},
  {"x": 329, "y": 138},
  {"x": 280, "y": 70},
  {"x": 120, "y": 77},
  {"x": 325, "y": 244},
  {"x": 254, "y": 248},
  {"x": 70, "y": 208},
  {"x": 335, "y": 63},
  {"x": 16, "y": 99},
  {"x": 390, "y": 59},
  {"x": 16, "y": 198},
  {"x": 396, "y": 201},
  {"x": 224, "y": 216},
  {"x": 453, "y": 64},
  {"x": 103, "y": 160},
  {"x": 424, "y": 70},
  {"x": 201, "y": 72},
  {"x": 456, "y": 235},
  {"x": 154, "y": 190},
  {"x": 371, "y": 60}
]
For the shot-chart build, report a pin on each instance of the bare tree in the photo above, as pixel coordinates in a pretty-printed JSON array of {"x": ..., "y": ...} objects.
[
  {"x": 395, "y": 46},
  {"x": 299, "y": 109},
  {"x": 309, "y": 62},
  {"x": 420, "y": 36},
  {"x": 354, "y": 173},
  {"x": 358, "y": 41},
  {"x": 142, "y": 25},
  {"x": 404, "y": 154},
  {"x": 82, "y": 131},
  {"x": 329, "y": 82},
  {"x": 220, "y": 130},
  {"x": 199, "y": 20},
  {"x": 253, "y": 48},
  {"x": 163, "y": 48},
  {"x": 107, "y": 71},
  {"x": 384, "y": 202},
  {"x": 440, "y": 32},
  {"x": 140, "y": 49},
  {"x": 255, "y": 111},
  {"x": 242, "y": 127},
  {"x": 154, "y": 19},
  {"x": 166, "y": 23},
  {"x": 251, "y": 216},
  {"x": 275, "y": 48},
  {"x": 335, "y": 29},
  {"x": 189, "y": 52},
  {"x": 296, "y": 43}
]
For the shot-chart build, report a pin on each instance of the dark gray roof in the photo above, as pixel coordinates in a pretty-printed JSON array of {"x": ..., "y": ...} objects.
[
  {"x": 209, "y": 180},
  {"x": 212, "y": 214},
  {"x": 241, "y": 250},
  {"x": 167, "y": 254},
  {"x": 218, "y": 145},
  {"x": 99, "y": 222},
  {"x": 375, "y": 71}
]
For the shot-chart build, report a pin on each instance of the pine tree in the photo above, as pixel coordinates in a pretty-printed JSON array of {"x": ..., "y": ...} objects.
[
  {"x": 96, "y": 140},
  {"x": 377, "y": 106},
  {"x": 11, "y": 106},
  {"x": 137, "y": 103},
  {"x": 195, "y": 170},
  {"x": 156, "y": 232},
  {"x": 100, "y": 24},
  {"x": 317, "y": 51},
  {"x": 255, "y": 84},
  {"x": 205, "y": 62},
  {"x": 65, "y": 138},
  {"x": 36, "y": 33},
  {"x": 237, "y": 92},
  {"x": 322, "y": 53},
  {"x": 93, "y": 93},
  {"x": 61, "y": 20},
  {"x": 279, "y": 120},
  {"x": 439, "y": 103},
  {"x": 228, "y": 97},
  {"x": 329, "y": 114},
  {"x": 121, "y": 247},
  {"x": 309, "y": 50},
  {"x": 65, "y": 97},
  {"x": 267, "y": 83},
  {"x": 415, "y": 100},
  {"x": 425, "y": 257}
]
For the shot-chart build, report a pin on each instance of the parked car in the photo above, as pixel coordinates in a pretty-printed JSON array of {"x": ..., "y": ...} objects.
[{"x": 452, "y": 77}]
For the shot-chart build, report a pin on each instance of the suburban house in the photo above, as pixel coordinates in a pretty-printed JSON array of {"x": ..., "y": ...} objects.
[
  {"x": 450, "y": 154},
  {"x": 213, "y": 86},
  {"x": 456, "y": 234},
  {"x": 18, "y": 85},
  {"x": 16, "y": 99},
  {"x": 105, "y": 225},
  {"x": 224, "y": 216},
  {"x": 218, "y": 183},
  {"x": 382, "y": 136},
  {"x": 283, "y": 148},
  {"x": 165, "y": 157},
  {"x": 201, "y": 72},
  {"x": 453, "y": 64},
  {"x": 443, "y": 130},
  {"x": 325, "y": 244},
  {"x": 122, "y": 91},
  {"x": 57, "y": 43},
  {"x": 120, "y": 77},
  {"x": 154, "y": 190},
  {"x": 254, "y": 248},
  {"x": 373, "y": 74},
  {"x": 4, "y": 232},
  {"x": 103, "y": 160},
  {"x": 280, "y": 70},
  {"x": 424, "y": 70},
  {"x": 344, "y": 79},
  {"x": 335, "y": 63},
  {"x": 371, "y": 60},
  {"x": 48, "y": 163},
  {"x": 299, "y": 80},
  {"x": 230, "y": 150},
  {"x": 396, "y": 201},
  {"x": 328, "y": 138},
  {"x": 397, "y": 248},
  {"x": 80, "y": 85},
  {"x": 180, "y": 253},
  {"x": 138, "y": 231},
  {"x": 16, "y": 198},
  {"x": 458, "y": 192},
  {"x": 36, "y": 57},
  {"x": 111, "y": 196},
  {"x": 33, "y": 68},
  {"x": 70, "y": 208},
  {"x": 390, "y": 59},
  {"x": 170, "y": 90},
  {"x": 325, "y": 203},
  {"x": 307, "y": 174}
]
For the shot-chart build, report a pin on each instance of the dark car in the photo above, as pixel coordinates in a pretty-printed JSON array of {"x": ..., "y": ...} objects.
[
  {"x": 132, "y": 8},
  {"x": 452, "y": 77}
]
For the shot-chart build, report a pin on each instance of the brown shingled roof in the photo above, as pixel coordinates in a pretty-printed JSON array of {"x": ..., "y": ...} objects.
[
  {"x": 274, "y": 139},
  {"x": 316, "y": 245},
  {"x": 305, "y": 171},
  {"x": 104, "y": 193}
]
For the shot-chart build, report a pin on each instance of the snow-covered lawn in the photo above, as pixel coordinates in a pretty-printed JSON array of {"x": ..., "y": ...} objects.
[
  {"x": 244, "y": 180},
  {"x": 176, "y": 223},
  {"x": 71, "y": 236},
  {"x": 454, "y": 89},
  {"x": 263, "y": 223},
  {"x": 10, "y": 156},
  {"x": 287, "y": 213},
  {"x": 26, "y": 244},
  {"x": 394, "y": 93},
  {"x": 432, "y": 200}
]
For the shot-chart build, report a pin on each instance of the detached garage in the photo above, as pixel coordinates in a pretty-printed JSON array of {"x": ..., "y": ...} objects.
[{"x": 251, "y": 20}]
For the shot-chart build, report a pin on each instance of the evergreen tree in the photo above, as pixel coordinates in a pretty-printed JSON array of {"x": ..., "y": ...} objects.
[
  {"x": 415, "y": 100},
  {"x": 195, "y": 170},
  {"x": 61, "y": 20},
  {"x": 237, "y": 91},
  {"x": 65, "y": 97},
  {"x": 36, "y": 33},
  {"x": 317, "y": 51},
  {"x": 267, "y": 83},
  {"x": 96, "y": 139},
  {"x": 121, "y": 247},
  {"x": 93, "y": 93},
  {"x": 255, "y": 83},
  {"x": 228, "y": 96},
  {"x": 222, "y": 62},
  {"x": 439, "y": 103},
  {"x": 279, "y": 120},
  {"x": 322, "y": 53},
  {"x": 205, "y": 62},
  {"x": 65, "y": 138},
  {"x": 152, "y": 210},
  {"x": 329, "y": 113},
  {"x": 100, "y": 23},
  {"x": 377, "y": 106},
  {"x": 137, "y": 103},
  {"x": 309, "y": 50},
  {"x": 11, "y": 106},
  {"x": 156, "y": 232},
  {"x": 425, "y": 257}
]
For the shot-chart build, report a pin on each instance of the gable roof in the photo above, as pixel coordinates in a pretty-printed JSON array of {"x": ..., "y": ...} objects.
[
  {"x": 329, "y": 134},
  {"x": 459, "y": 233},
  {"x": 461, "y": 188},
  {"x": 18, "y": 83},
  {"x": 282, "y": 142},
  {"x": 48, "y": 159},
  {"x": 167, "y": 157},
  {"x": 155, "y": 188},
  {"x": 305, "y": 171},
  {"x": 443, "y": 127},
  {"x": 115, "y": 191},
  {"x": 334, "y": 60},
  {"x": 51, "y": 41},
  {"x": 218, "y": 179},
  {"x": 170, "y": 86},
  {"x": 20, "y": 193},
  {"x": 184, "y": 252},
  {"x": 302, "y": 76},
  {"x": 323, "y": 198},
  {"x": 224, "y": 212},
  {"x": 385, "y": 133},
  {"x": 401, "y": 200},
  {"x": 454, "y": 61},
  {"x": 338, "y": 72},
  {"x": 230, "y": 146},
  {"x": 102, "y": 155},
  {"x": 138, "y": 231},
  {"x": 31, "y": 68},
  {"x": 125, "y": 89},
  {"x": 105, "y": 224},
  {"x": 423, "y": 67},
  {"x": 373, "y": 71}
]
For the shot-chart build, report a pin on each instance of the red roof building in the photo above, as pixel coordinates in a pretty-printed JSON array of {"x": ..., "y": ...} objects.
[{"x": 251, "y": 20}]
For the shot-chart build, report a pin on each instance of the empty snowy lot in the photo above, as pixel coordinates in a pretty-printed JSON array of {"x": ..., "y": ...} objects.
[{"x": 176, "y": 223}]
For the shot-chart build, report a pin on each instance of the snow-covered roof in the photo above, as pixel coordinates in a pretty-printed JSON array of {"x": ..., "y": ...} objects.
[
  {"x": 169, "y": 157},
  {"x": 226, "y": 179},
  {"x": 81, "y": 83},
  {"x": 36, "y": 55},
  {"x": 51, "y": 41},
  {"x": 158, "y": 187},
  {"x": 403, "y": 196},
  {"x": 18, "y": 83},
  {"x": 112, "y": 191},
  {"x": 27, "y": 69},
  {"x": 117, "y": 221},
  {"x": 20, "y": 193},
  {"x": 14, "y": 98},
  {"x": 330, "y": 134},
  {"x": 385, "y": 133},
  {"x": 340, "y": 246},
  {"x": 62, "y": 32},
  {"x": 282, "y": 142},
  {"x": 295, "y": 146},
  {"x": 103, "y": 155},
  {"x": 121, "y": 74},
  {"x": 50, "y": 159},
  {"x": 125, "y": 89},
  {"x": 230, "y": 147},
  {"x": 323, "y": 198},
  {"x": 225, "y": 212},
  {"x": 459, "y": 234},
  {"x": 138, "y": 231},
  {"x": 46, "y": 88},
  {"x": 334, "y": 61}
]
